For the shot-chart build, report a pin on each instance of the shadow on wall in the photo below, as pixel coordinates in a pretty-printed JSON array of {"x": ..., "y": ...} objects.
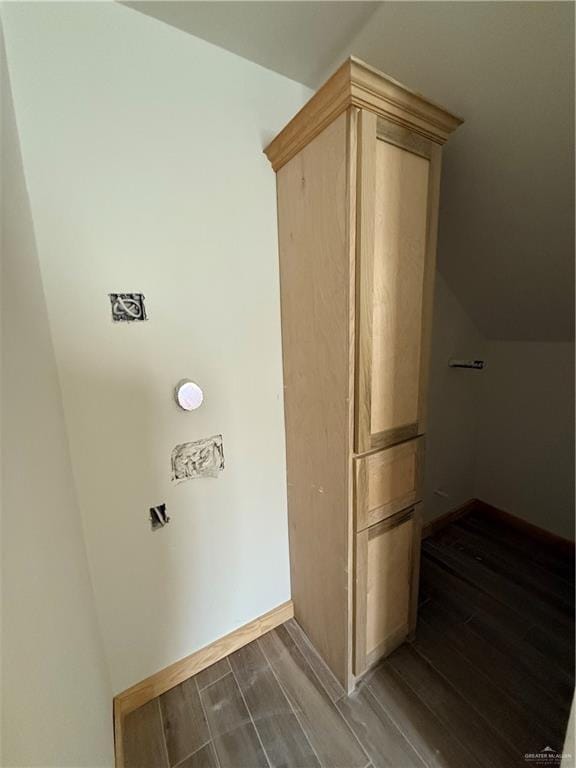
[{"x": 56, "y": 693}]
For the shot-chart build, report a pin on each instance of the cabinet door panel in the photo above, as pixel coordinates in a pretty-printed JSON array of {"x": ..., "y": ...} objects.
[
  {"x": 387, "y": 563},
  {"x": 398, "y": 282},
  {"x": 395, "y": 245},
  {"x": 388, "y": 585}
]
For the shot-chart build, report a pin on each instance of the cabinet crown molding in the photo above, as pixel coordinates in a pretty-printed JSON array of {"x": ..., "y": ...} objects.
[{"x": 357, "y": 84}]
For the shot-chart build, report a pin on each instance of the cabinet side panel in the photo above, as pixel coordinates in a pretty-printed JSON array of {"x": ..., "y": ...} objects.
[{"x": 315, "y": 286}]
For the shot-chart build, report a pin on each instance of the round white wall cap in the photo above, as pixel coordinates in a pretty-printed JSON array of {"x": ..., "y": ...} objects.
[{"x": 188, "y": 395}]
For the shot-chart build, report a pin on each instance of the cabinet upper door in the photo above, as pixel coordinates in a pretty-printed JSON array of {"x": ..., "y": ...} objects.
[{"x": 397, "y": 206}]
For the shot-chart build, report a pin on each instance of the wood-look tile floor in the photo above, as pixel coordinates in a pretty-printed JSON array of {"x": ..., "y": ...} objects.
[{"x": 488, "y": 679}]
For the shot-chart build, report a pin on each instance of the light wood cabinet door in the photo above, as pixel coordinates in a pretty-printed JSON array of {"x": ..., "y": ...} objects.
[
  {"x": 396, "y": 255},
  {"x": 387, "y": 570}
]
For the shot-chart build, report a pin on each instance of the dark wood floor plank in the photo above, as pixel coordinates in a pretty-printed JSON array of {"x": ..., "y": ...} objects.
[
  {"x": 442, "y": 582},
  {"x": 536, "y": 664},
  {"x": 428, "y": 736},
  {"x": 556, "y": 649},
  {"x": 529, "y": 575},
  {"x": 143, "y": 737},
  {"x": 381, "y": 739},
  {"x": 212, "y": 673},
  {"x": 504, "y": 670},
  {"x": 333, "y": 688},
  {"x": 535, "y": 550},
  {"x": 552, "y": 565},
  {"x": 282, "y": 737},
  {"x": 504, "y": 713},
  {"x": 500, "y": 627},
  {"x": 453, "y": 591},
  {"x": 472, "y": 730},
  {"x": 503, "y": 590},
  {"x": 205, "y": 757},
  {"x": 326, "y": 729},
  {"x": 185, "y": 726},
  {"x": 233, "y": 734}
]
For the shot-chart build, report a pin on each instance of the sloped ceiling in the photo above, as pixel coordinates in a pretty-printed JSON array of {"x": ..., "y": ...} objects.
[
  {"x": 296, "y": 39},
  {"x": 506, "y": 243}
]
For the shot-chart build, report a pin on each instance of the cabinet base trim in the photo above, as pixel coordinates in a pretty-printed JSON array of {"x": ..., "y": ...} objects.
[{"x": 181, "y": 670}]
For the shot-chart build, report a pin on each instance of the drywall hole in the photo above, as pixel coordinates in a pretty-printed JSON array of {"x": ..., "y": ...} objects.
[
  {"x": 158, "y": 517},
  {"x": 202, "y": 458},
  {"x": 127, "y": 307}
]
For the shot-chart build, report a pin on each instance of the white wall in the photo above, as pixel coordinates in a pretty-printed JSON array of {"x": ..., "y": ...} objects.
[
  {"x": 142, "y": 147},
  {"x": 453, "y": 402},
  {"x": 56, "y": 694},
  {"x": 526, "y": 442}
]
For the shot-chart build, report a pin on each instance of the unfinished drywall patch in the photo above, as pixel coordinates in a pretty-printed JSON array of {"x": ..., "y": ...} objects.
[{"x": 202, "y": 458}]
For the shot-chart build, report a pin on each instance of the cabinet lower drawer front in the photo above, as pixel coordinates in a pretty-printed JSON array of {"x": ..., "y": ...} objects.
[{"x": 387, "y": 482}]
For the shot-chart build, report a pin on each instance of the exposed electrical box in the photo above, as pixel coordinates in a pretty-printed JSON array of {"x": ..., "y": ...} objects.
[
  {"x": 158, "y": 517},
  {"x": 127, "y": 307}
]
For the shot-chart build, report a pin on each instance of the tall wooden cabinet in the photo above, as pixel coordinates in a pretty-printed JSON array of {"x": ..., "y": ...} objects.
[{"x": 358, "y": 172}]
